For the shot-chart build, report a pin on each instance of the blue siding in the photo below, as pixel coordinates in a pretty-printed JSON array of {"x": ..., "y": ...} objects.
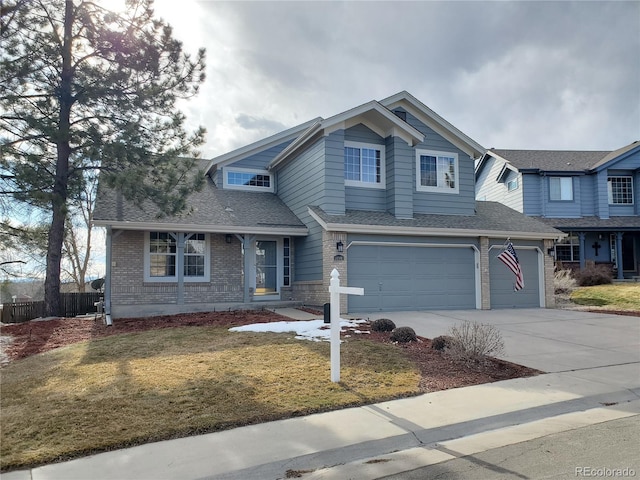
[
  {"x": 260, "y": 160},
  {"x": 301, "y": 182},
  {"x": 400, "y": 168},
  {"x": 533, "y": 192},
  {"x": 587, "y": 194},
  {"x": 563, "y": 208},
  {"x": 333, "y": 200},
  {"x": 601, "y": 197},
  {"x": 362, "y": 198},
  {"x": 361, "y": 133},
  {"x": 636, "y": 191},
  {"x": 462, "y": 203}
]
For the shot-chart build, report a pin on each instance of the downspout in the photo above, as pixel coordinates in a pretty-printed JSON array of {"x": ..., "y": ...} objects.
[
  {"x": 107, "y": 279},
  {"x": 581, "y": 238}
]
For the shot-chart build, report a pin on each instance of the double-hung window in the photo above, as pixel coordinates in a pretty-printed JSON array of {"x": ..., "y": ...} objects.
[
  {"x": 436, "y": 171},
  {"x": 364, "y": 165},
  {"x": 161, "y": 256},
  {"x": 620, "y": 190},
  {"x": 561, "y": 188}
]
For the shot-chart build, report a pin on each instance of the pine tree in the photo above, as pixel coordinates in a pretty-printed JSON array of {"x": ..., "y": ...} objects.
[{"x": 84, "y": 89}]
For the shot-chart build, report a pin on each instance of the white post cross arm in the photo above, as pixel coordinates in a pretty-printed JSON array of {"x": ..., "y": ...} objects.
[{"x": 335, "y": 289}]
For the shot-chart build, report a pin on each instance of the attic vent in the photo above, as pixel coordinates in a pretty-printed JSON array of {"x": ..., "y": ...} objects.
[{"x": 400, "y": 114}]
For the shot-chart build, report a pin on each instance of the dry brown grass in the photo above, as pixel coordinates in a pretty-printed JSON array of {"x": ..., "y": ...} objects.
[{"x": 135, "y": 388}]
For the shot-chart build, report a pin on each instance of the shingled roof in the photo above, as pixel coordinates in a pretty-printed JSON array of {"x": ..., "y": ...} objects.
[
  {"x": 560, "y": 160},
  {"x": 552, "y": 160},
  {"x": 595, "y": 223},
  {"x": 212, "y": 209},
  {"x": 490, "y": 219}
]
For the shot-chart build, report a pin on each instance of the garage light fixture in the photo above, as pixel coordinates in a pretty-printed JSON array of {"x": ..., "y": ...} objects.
[{"x": 340, "y": 246}]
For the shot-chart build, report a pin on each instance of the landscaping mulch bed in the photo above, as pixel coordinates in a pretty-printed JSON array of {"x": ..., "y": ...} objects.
[{"x": 438, "y": 371}]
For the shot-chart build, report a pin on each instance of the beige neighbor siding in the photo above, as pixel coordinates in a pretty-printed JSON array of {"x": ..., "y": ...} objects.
[{"x": 129, "y": 287}]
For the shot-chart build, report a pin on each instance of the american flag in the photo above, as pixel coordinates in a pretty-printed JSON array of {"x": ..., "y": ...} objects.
[{"x": 510, "y": 259}]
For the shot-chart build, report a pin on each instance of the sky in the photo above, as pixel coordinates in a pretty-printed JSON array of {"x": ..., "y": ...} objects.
[{"x": 517, "y": 75}]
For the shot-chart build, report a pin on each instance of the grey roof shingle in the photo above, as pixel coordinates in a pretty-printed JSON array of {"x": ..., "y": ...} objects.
[
  {"x": 595, "y": 223},
  {"x": 552, "y": 160},
  {"x": 211, "y": 207},
  {"x": 489, "y": 217}
]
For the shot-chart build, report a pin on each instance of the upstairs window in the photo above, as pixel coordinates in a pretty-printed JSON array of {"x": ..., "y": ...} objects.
[
  {"x": 363, "y": 165},
  {"x": 436, "y": 171},
  {"x": 561, "y": 188},
  {"x": 620, "y": 190},
  {"x": 246, "y": 179}
]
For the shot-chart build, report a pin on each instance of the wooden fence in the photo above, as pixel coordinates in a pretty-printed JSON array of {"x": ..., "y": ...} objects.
[{"x": 72, "y": 304}]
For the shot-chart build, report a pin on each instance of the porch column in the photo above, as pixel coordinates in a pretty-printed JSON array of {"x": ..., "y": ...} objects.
[
  {"x": 107, "y": 273},
  {"x": 581, "y": 238},
  {"x": 249, "y": 254},
  {"x": 180, "y": 269},
  {"x": 619, "y": 254}
]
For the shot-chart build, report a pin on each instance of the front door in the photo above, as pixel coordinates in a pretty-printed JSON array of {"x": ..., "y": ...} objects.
[{"x": 266, "y": 267}]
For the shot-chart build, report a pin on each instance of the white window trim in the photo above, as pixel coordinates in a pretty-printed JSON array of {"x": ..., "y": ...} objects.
[
  {"x": 437, "y": 153},
  {"x": 513, "y": 182},
  {"x": 174, "y": 279},
  {"x": 610, "y": 191},
  {"x": 372, "y": 146},
  {"x": 226, "y": 184},
  {"x": 561, "y": 199}
]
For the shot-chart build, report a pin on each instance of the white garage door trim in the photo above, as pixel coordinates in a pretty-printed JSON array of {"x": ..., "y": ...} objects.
[
  {"x": 476, "y": 257},
  {"x": 540, "y": 268}
]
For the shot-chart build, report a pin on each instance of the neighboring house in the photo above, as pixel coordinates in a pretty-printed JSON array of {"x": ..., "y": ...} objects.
[
  {"x": 594, "y": 197},
  {"x": 384, "y": 193}
]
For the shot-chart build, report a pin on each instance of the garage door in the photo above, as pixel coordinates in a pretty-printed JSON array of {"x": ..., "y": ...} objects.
[
  {"x": 502, "y": 280},
  {"x": 411, "y": 278}
]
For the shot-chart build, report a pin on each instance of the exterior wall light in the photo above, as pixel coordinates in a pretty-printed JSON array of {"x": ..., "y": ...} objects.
[
  {"x": 340, "y": 246},
  {"x": 228, "y": 238}
]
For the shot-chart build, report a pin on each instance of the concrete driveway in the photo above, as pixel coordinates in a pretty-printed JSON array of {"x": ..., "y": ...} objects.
[{"x": 551, "y": 340}]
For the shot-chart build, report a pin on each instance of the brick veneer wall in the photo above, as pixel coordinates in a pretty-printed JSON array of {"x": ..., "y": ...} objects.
[
  {"x": 127, "y": 274},
  {"x": 485, "y": 283},
  {"x": 549, "y": 274}
]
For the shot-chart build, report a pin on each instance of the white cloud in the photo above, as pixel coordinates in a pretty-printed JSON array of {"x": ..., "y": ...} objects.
[{"x": 508, "y": 74}]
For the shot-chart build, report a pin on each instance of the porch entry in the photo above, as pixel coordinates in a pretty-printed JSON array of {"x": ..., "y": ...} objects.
[{"x": 266, "y": 267}]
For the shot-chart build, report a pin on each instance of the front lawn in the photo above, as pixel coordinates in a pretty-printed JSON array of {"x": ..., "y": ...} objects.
[
  {"x": 140, "y": 387},
  {"x": 622, "y": 297}
]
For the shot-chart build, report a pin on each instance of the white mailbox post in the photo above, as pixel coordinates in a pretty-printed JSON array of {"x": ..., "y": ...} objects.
[{"x": 335, "y": 289}]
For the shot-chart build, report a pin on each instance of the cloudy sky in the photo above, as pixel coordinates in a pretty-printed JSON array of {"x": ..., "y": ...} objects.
[{"x": 532, "y": 75}]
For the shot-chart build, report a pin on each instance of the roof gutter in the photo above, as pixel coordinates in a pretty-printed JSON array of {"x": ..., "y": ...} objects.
[{"x": 284, "y": 230}]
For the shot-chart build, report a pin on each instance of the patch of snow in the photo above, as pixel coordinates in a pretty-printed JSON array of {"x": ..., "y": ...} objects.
[{"x": 314, "y": 330}]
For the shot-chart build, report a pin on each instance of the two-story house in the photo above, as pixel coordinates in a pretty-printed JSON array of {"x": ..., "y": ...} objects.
[
  {"x": 384, "y": 193},
  {"x": 590, "y": 195}
]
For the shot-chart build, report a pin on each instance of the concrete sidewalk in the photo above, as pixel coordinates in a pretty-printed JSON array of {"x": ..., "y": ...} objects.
[{"x": 400, "y": 435}]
